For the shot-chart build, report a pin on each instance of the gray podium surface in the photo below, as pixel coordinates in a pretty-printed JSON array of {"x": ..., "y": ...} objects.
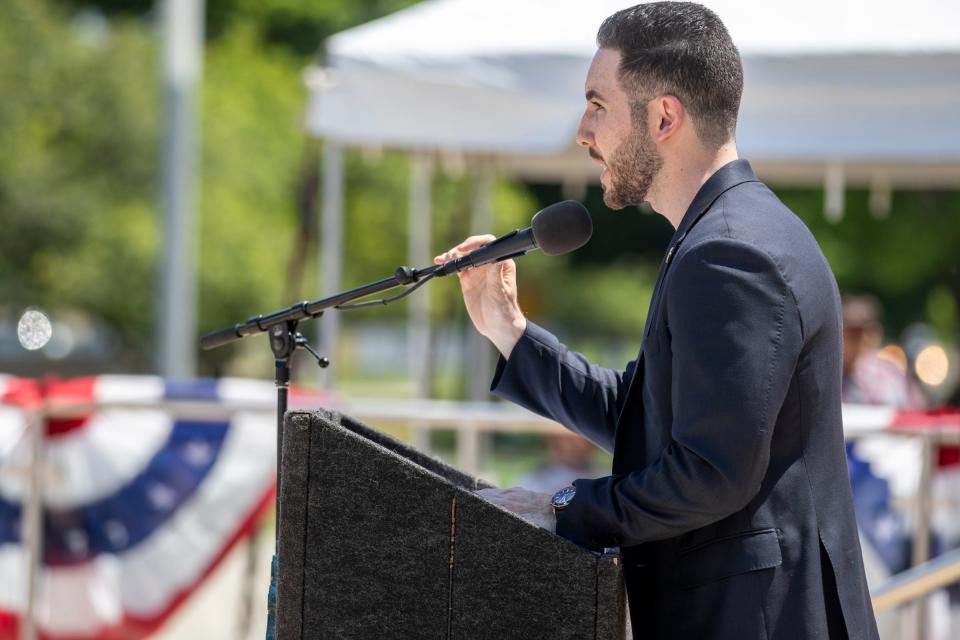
[{"x": 378, "y": 540}]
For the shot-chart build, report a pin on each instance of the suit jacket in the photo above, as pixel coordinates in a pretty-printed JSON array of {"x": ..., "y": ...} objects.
[{"x": 729, "y": 496}]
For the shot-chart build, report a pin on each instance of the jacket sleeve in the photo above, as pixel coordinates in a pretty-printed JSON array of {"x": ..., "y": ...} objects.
[
  {"x": 735, "y": 336},
  {"x": 545, "y": 377}
]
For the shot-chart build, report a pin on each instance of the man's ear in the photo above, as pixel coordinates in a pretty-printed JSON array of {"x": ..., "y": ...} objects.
[{"x": 669, "y": 117}]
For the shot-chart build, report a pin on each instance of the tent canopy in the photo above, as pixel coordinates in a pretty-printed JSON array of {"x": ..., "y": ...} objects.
[{"x": 874, "y": 84}]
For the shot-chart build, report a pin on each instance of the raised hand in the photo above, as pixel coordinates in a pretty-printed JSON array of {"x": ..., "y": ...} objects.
[{"x": 490, "y": 295}]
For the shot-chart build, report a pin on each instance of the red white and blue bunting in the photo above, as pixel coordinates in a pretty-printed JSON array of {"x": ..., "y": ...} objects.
[{"x": 139, "y": 506}]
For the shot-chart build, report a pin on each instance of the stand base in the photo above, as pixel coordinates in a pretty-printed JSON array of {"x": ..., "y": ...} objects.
[{"x": 272, "y": 601}]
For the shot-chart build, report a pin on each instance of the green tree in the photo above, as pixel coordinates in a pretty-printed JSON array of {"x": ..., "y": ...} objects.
[
  {"x": 910, "y": 259},
  {"x": 296, "y": 25},
  {"x": 79, "y": 164}
]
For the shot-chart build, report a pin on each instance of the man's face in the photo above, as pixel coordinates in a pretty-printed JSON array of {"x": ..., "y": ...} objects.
[{"x": 616, "y": 135}]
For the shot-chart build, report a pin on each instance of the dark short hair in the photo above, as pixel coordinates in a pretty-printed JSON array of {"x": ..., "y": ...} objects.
[{"x": 681, "y": 49}]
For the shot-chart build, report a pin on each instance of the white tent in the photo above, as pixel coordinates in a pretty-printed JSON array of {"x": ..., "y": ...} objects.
[
  {"x": 836, "y": 92},
  {"x": 872, "y": 85}
]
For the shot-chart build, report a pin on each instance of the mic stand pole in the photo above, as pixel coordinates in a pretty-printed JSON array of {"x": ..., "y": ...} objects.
[{"x": 284, "y": 341}]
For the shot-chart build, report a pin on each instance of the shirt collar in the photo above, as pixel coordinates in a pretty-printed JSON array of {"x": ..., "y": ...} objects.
[{"x": 726, "y": 177}]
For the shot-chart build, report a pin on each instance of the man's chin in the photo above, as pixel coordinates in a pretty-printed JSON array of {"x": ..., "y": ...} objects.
[
  {"x": 613, "y": 200},
  {"x": 614, "y": 205}
]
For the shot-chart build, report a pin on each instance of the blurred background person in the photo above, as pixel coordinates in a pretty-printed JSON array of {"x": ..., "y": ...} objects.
[
  {"x": 874, "y": 374},
  {"x": 570, "y": 457},
  {"x": 869, "y": 377}
]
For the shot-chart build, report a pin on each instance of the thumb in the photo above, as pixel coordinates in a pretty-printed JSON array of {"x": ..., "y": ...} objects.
[{"x": 508, "y": 269}]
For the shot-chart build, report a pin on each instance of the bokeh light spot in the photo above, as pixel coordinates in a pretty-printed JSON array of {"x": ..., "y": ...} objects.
[
  {"x": 932, "y": 365},
  {"x": 34, "y": 330}
]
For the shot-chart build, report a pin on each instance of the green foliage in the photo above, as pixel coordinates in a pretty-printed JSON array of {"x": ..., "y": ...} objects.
[
  {"x": 611, "y": 300},
  {"x": 941, "y": 310},
  {"x": 901, "y": 258},
  {"x": 375, "y": 232},
  {"x": 252, "y": 149},
  {"x": 296, "y": 25},
  {"x": 78, "y": 129},
  {"x": 300, "y": 26}
]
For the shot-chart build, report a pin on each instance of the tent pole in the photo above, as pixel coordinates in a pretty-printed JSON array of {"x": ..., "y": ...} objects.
[
  {"x": 481, "y": 221},
  {"x": 834, "y": 191},
  {"x": 331, "y": 249},
  {"x": 177, "y": 305},
  {"x": 418, "y": 323},
  {"x": 32, "y": 524},
  {"x": 472, "y": 444}
]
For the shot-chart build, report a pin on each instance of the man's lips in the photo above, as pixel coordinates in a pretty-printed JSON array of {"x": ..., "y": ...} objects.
[{"x": 596, "y": 157}]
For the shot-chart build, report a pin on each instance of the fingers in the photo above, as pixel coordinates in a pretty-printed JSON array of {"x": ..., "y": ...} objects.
[
  {"x": 502, "y": 497},
  {"x": 531, "y": 506},
  {"x": 465, "y": 247},
  {"x": 513, "y": 495}
]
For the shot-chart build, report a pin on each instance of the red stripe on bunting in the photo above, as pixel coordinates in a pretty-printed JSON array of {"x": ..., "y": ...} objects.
[
  {"x": 22, "y": 392},
  {"x": 74, "y": 390},
  {"x": 31, "y": 394},
  {"x": 944, "y": 417},
  {"x": 59, "y": 426},
  {"x": 9, "y": 626}
]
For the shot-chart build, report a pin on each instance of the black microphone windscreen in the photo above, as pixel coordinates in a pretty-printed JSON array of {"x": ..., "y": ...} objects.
[{"x": 562, "y": 227}]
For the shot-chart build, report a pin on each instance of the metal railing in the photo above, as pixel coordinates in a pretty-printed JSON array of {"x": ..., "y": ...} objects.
[
  {"x": 467, "y": 419},
  {"x": 916, "y": 583}
]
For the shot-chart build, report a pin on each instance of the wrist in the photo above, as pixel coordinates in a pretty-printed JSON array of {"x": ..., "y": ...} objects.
[{"x": 508, "y": 337}]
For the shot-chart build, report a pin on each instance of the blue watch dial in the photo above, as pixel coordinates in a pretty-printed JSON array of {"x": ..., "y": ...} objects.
[{"x": 563, "y": 497}]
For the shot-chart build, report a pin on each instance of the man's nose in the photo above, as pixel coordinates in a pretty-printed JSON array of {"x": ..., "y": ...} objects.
[{"x": 584, "y": 134}]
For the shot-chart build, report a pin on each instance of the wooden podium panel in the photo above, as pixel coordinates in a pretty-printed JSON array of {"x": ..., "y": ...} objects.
[{"x": 378, "y": 540}]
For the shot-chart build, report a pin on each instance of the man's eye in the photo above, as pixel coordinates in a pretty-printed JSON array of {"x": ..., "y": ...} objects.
[{"x": 597, "y": 106}]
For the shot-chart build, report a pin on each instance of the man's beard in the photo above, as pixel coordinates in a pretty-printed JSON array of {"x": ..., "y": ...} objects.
[{"x": 632, "y": 168}]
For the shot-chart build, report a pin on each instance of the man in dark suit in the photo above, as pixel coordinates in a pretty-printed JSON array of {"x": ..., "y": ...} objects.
[{"x": 729, "y": 497}]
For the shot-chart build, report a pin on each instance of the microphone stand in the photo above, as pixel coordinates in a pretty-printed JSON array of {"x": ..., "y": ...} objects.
[{"x": 284, "y": 341}]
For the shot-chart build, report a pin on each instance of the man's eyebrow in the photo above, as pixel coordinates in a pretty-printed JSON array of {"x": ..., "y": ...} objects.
[{"x": 592, "y": 94}]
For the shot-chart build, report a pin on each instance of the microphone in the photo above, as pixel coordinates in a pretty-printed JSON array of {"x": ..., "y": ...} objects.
[{"x": 558, "y": 229}]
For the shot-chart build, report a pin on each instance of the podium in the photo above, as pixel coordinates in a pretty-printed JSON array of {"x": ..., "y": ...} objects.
[{"x": 380, "y": 541}]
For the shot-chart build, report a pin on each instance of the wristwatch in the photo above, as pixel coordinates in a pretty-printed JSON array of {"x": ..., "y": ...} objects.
[{"x": 563, "y": 497}]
